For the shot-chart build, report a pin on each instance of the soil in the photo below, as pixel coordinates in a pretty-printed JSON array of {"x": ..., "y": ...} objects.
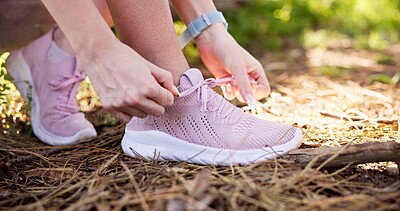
[{"x": 332, "y": 106}]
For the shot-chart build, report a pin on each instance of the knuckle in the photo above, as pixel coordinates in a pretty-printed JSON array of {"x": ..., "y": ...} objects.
[
  {"x": 152, "y": 91},
  {"x": 160, "y": 111},
  {"x": 167, "y": 102},
  {"x": 170, "y": 100},
  {"x": 243, "y": 85},
  {"x": 131, "y": 99}
]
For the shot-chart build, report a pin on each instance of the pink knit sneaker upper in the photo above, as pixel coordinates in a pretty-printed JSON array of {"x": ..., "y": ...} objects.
[
  {"x": 201, "y": 116},
  {"x": 56, "y": 81}
]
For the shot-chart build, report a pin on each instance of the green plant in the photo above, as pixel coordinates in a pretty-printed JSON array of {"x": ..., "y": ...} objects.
[
  {"x": 268, "y": 23},
  {"x": 384, "y": 78},
  {"x": 331, "y": 71},
  {"x": 190, "y": 49},
  {"x": 109, "y": 119},
  {"x": 5, "y": 78},
  {"x": 384, "y": 59},
  {"x": 13, "y": 112}
]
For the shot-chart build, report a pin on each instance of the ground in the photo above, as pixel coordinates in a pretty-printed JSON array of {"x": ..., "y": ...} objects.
[{"x": 335, "y": 95}]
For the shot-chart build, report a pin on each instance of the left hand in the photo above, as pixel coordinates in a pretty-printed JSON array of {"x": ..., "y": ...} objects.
[{"x": 224, "y": 57}]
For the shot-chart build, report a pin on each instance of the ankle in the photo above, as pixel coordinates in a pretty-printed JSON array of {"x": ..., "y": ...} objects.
[
  {"x": 62, "y": 42},
  {"x": 178, "y": 70}
]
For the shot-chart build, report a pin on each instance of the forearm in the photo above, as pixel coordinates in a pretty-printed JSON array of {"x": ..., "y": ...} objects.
[
  {"x": 81, "y": 23},
  {"x": 189, "y": 10}
]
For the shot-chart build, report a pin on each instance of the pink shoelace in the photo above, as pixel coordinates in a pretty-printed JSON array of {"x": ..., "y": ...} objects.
[
  {"x": 67, "y": 89},
  {"x": 204, "y": 95}
]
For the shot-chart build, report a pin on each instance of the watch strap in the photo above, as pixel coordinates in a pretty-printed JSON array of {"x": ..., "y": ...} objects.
[{"x": 195, "y": 27}]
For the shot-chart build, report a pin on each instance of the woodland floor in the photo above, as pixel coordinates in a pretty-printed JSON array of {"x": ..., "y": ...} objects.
[{"x": 330, "y": 94}]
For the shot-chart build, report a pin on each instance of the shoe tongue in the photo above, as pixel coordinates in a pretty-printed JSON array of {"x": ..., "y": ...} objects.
[
  {"x": 56, "y": 55},
  {"x": 189, "y": 78}
]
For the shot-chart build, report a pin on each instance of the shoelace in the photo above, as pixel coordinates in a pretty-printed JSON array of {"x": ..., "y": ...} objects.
[
  {"x": 203, "y": 95},
  {"x": 66, "y": 91}
]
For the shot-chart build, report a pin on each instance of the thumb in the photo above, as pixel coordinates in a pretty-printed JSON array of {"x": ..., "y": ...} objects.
[{"x": 164, "y": 78}]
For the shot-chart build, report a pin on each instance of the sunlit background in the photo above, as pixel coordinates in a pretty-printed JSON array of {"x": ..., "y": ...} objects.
[
  {"x": 333, "y": 66},
  {"x": 328, "y": 56}
]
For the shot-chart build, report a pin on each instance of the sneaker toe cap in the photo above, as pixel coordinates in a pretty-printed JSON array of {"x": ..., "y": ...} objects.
[{"x": 68, "y": 130}]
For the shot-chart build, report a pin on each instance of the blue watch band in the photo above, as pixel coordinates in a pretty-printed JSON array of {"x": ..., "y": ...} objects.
[{"x": 195, "y": 27}]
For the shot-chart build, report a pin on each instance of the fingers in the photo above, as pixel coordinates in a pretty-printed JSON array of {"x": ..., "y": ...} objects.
[
  {"x": 129, "y": 108},
  {"x": 228, "y": 91},
  {"x": 121, "y": 116},
  {"x": 139, "y": 99},
  {"x": 239, "y": 72},
  {"x": 158, "y": 94},
  {"x": 257, "y": 73},
  {"x": 124, "y": 114},
  {"x": 164, "y": 78},
  {"x": 150, "y": 107},
  {"x": 262, "y": 89},
  {"x": 133, "y": 112},
  {"x": 259, "y": 90}
]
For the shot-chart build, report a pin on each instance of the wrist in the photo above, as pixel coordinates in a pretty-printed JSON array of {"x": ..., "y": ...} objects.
[
  {"x": 96, "y": 47},
  {"x": 189, "y": 10},
  {"x": 209, "y": 21},
  {"x": 211, "y": 33}
]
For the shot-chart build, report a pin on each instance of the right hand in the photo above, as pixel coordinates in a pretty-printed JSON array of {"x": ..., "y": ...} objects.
[{"x": 127, "y": 84}]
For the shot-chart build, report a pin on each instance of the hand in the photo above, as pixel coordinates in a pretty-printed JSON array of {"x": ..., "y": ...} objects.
[
  {"x": 223, "y": 56},
  {"x": 127, "y": 84}
]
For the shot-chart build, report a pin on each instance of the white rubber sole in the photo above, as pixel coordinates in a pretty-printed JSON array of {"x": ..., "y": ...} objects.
[
  {"x": 158, "y": 145},
  {"x": 19, "y": 70}
]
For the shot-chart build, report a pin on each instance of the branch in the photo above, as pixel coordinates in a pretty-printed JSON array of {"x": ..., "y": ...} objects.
[{"x": 355, "y": 154}]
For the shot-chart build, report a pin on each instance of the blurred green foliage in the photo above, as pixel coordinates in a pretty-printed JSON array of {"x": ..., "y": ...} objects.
[
  {"x": 4, "y": 77},
  {"x": 13, "y": 112},
  {"x": 384, "y": 59},
  {"x": 384, "y": 78},
  {"x": 190, "y": 50},
  {"x": 371, "y": 23},
  {"x": 331, "y": 71}
]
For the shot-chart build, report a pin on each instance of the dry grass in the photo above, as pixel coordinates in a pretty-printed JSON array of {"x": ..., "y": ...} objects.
[{"x": 331, "y": 112}]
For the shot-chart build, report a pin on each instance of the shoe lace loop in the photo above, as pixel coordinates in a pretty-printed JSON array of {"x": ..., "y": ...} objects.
[
  {"x": 203, "y": 94},
  {"x": 67, "y": 88}
]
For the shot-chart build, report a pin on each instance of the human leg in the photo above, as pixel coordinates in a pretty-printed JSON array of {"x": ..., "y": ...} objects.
[
  {"x": 147, "y": 27},
  {"x": 47, "y": 75},
  {"x": 61, "y": 40},
  {"x": 48, "y": 79},
  {"x": 201, "y": 126}
]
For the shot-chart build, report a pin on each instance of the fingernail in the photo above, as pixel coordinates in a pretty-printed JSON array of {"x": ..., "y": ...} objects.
[
  {"x": 229, "y": 88},
  {"x": 223, "y": 88},
  {"x": 177, "y": 91},
  {"x": 250, "y": 99}
]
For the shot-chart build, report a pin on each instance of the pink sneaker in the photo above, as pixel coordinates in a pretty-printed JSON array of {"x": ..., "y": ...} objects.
[
  {"x": 202, "y": 127},
  {"x": 48, "y": 79}
]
